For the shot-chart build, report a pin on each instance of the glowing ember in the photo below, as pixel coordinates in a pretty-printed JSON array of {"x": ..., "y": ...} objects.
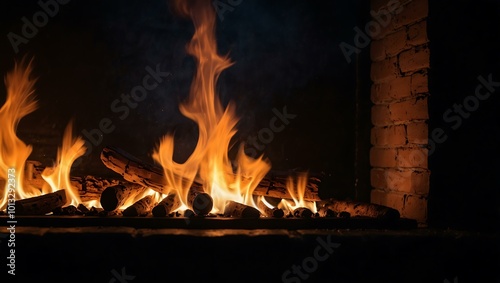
[
  {"x": 209, "y": 163},
  {"x": 14, "y": 152}
]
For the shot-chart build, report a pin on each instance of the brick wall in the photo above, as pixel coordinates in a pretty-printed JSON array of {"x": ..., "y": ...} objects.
[{"x": 400, "y": 62}]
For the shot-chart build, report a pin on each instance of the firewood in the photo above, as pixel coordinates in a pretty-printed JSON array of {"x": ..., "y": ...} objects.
[
  {"x": 270, "y": 212},
  {"x": 302, "y": 212},
  {"x": 89, "y": 187},
  {"x": 326, "y": 212},
  {"x": 361, "y": 209},
  {"x": 41, "y": 205},
  {"x": 134, "y": 170},
  {"x": 199, "y": 201},
  {"x": 141, "y": 207},
  {"x": 167, "y": 205},
  {"x": 115, "y": 196},
  {"x": 236, "y": 209}
]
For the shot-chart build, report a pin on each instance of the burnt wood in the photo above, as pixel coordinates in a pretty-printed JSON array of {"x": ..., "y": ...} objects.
[{"x": 41, "y": 205}]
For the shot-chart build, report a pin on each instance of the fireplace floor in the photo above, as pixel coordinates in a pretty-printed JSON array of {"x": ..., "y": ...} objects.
[{"x": 147, "y": 252}]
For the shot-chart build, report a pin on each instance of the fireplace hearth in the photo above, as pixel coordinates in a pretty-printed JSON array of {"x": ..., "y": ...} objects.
[{"x": 250, "y": 141}]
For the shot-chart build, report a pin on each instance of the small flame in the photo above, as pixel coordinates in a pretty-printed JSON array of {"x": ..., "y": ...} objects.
[
  {"x": 148, "y": 192},
  {"x": 14, "y": 152},
  {"x": 297, "y": 190},
  {"x": 58, "y": 177},
  {"x": 209, "y": 163}
]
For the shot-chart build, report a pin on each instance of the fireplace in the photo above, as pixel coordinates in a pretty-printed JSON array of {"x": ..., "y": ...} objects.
[{"x": 343, "y": 113}]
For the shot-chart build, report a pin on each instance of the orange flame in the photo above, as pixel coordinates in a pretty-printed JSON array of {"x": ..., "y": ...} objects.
[
  {"x": 14, "y": 152},
  {"x": 209, "y": 163},
  {"x": 297, "y": 190},
  {"x": 58, "y": 177}
]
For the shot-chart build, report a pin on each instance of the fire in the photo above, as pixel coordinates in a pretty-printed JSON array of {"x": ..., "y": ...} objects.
[
  {"x": 297, "y": 188},
  {"x": 58, "y": 177},
  {"x": 209, "y": 163},
  {"x": 13, "y": 151}
]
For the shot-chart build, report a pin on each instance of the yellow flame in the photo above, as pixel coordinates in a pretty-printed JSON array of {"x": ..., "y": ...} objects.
[
  {"x": 58, "y": 177},
  {"x": 14, "y": 152},
  {"x": 209, "y": 163},
  {"x": 297, "y": 189}
]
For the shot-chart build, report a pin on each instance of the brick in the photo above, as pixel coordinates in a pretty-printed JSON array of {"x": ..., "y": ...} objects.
[
  {"x": 413, "y": 12},
  {"x": 395, "y": 43},
  {"x": 391, "y": 90},
  {"x": 412, "y": 157},
  {"x": 417, "y": 133},
  {"x": 388, "y": 136},
  {"x": 383, "y": 157},
  {"x": 377, "y": 50},
  {"x": 384, "y": 70},
  {"x": 414, "y": 59},
  {"x": 409, "y": 206},
  {"x": 408, "y": 110},
  {"x": 419, "y": 83},
  {"x": 401, "y": 180},
  {"x": 381, "y": 115},
  {"x": 417, "y": 34},
  {"x": 383, "y": 12},
  {"x": 377, "y": 178}
]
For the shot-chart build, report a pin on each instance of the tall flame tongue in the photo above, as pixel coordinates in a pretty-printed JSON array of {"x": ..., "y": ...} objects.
[
  {"x": 14, "y": 152},
  {"x": 58, "y": 177},
  {"x": 209, "y": 163}
]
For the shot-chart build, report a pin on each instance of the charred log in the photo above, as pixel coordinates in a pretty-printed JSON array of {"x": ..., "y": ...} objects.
[
  {"x": 167, "y": 205},
  {"x": 235, "y": 209},
  {"x": 361, "y": 209},
  {"x": 141, "y": 207},
  {"x": 115, "y": 196},
  {"x": 41, "y": 205}
]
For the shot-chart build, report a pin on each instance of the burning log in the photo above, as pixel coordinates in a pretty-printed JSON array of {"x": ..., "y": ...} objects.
[
  {"x": 167, "y": 205},
  {"x": 302, "y": 212},
  {"x": 270, "y": 212},
  {"x": 136, "y": 171},
  {"x": 41, "y": 205},
  {"x": 89, "y": 187},
  {"x": 115, "y": 196},
  {"x": 275, "y": 186},
  {"x": 361, "y": 209},
  {"x": 199, "y": 201},
  {"x": 326, "y": 212},
  {"x": 141, "y": 207},
  {"x": 235, "y": 209}
]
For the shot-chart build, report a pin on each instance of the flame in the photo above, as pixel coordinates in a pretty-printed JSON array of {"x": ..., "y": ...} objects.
[
  {"x": 14, "y": 152},
  {"x": 148, "y": 192},
  {"x": 58, "y": 177},
  {"x": 209, "y": 162},
  {"x": 297, "y": 189}
]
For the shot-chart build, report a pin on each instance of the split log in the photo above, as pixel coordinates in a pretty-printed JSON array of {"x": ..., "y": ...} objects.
[
  {"x": 89, "y": 187},
  {"x": 41, "y": 205},
  {"x": 270, "y": 212},
  {"x": 115, "y": 196},
  {"x": 141, "y": 207},
  {"x": 167, "y": 205},
  {"x": 361, "y": 209},
  {"x": 134, "y": 170},
  {"x": 199, "y": 201},
  {"x": 235, "y": 209},
  {"x": 302, "y": 212}
]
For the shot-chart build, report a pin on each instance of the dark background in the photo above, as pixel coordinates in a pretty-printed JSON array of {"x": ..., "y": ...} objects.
[
  {"x": 464, "y": 43},
  {"x": 286, "y": 53}
]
